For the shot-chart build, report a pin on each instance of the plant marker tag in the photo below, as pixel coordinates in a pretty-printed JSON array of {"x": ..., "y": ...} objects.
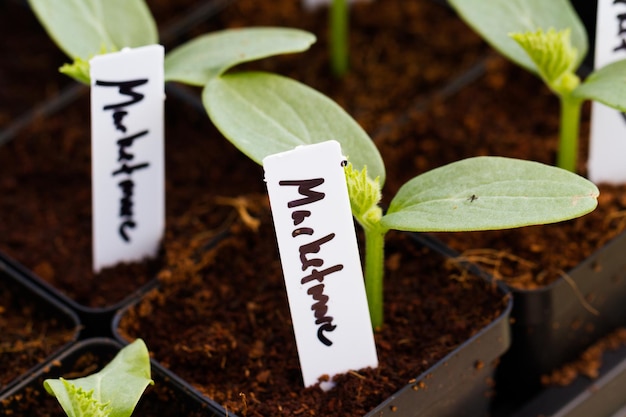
[
  {"x": 127, "y": 94},
  {"x": 608, "y": 126},
  {"x": 320, "y": 260}
]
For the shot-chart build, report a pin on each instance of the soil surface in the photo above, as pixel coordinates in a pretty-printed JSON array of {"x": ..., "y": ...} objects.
[
  {"x": 31, "y": 330},
  {"x": 28, "y": 69},
  {"x": 220, "y": 319}
]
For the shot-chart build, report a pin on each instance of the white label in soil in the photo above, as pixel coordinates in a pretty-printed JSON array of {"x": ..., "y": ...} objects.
[
  {"x": 320, "y": 260},
  {"x": 127, "y": 94},
  {"x": 608, "y": 126}
]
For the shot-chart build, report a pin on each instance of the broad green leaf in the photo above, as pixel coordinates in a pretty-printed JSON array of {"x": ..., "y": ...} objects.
[
  {"x": 201, "y": 59},
  {"x": 487, "y": 193},
  {"x": 606, "y": 85},
  {"x": 494, "y": 20},
  {"x": 117, "y": 387},
  {"x": 263, "y": 114},
  {"x": 83, "y": 28}
]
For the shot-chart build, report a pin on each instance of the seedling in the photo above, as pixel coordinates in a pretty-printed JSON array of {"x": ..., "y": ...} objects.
[
  {"x": 114, "y": 391},
  {"x": 482, "y": 193},
  {"x": 548, "y": 39}
]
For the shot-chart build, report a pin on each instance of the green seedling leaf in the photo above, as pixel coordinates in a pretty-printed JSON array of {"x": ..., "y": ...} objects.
[
  {"x": 553, "y": 55},
  {"x": 201, "y": 59},
  {"x": 84, "y": 28},
  {"x": 263, "y": 114},
  {"x": 494, "y": 20},
  {"x": 606, "y": 85},
  {"x": 112, "y": 392},
  {"x": 487, "y": 193}
]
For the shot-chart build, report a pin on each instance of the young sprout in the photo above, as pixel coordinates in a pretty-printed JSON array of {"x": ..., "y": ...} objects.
[
  {"x": 555, "y": 58},
  {"x": 114, "y": 391},
  {"x": 548, "y": 39},
  {"x": 482, "y": 193}
]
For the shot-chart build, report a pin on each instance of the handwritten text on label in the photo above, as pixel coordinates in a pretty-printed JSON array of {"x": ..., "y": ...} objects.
[
  {"x": 320, "y": 261},
  {"x": 124, "y": 144},
  {"x": 320, "y": 308}
]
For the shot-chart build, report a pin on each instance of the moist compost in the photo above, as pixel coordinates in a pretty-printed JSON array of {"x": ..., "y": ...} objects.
[
  {"x": 31, "y": 331},
  {"x": 220, "y": 320}
]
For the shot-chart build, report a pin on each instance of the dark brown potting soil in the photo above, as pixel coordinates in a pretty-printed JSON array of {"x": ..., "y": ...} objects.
[
  {"x": 26, "y": 56},
  {"x": 30, "y": 331},
  {"x": 220, "y": 319},
  {"x": 46, "y": 202}
]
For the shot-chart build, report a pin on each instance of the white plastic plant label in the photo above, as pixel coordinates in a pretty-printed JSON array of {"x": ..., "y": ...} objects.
[
  {"x": 320, "y": 260},
  {"x": 127, "y": 94},
  {"x": 608, "y": 126}
]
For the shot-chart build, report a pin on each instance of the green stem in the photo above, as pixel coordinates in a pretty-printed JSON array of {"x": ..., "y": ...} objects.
[
  {"x": 568, "y": 138},
  {"x": 339, "y": 37},
  {"x": 374, "y": 271}
]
